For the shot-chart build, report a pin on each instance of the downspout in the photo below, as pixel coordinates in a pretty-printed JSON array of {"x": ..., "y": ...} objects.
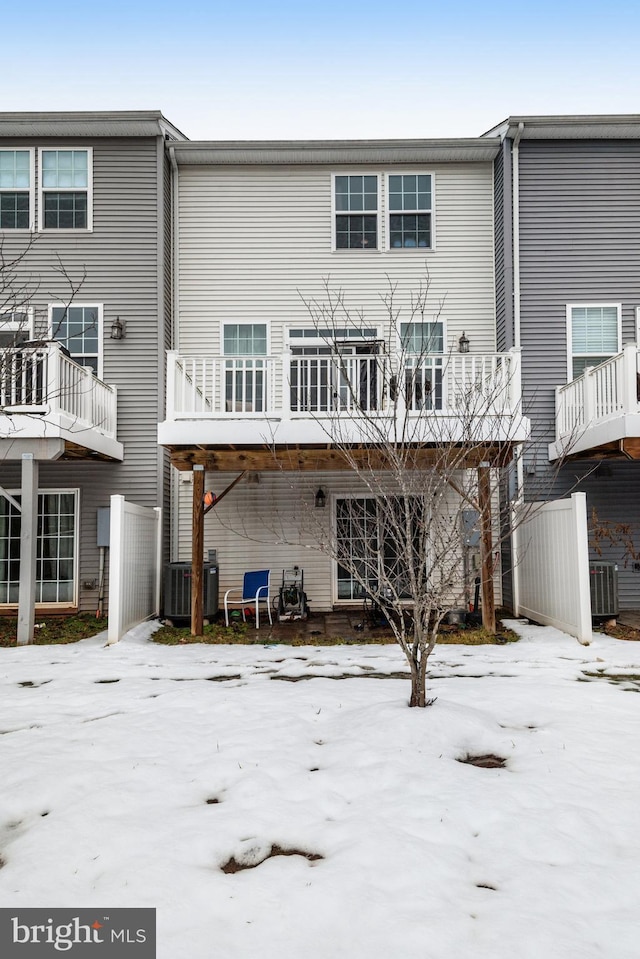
[
  {"x": 175, "y": 344},
  {"x": 175, "y": 488},
  {"x": 515, "y": 173},
  {"x": 519, "y": 492}
]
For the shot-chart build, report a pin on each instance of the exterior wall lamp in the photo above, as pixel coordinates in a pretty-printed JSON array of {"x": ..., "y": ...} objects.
[
  {"x": 463, "y": 343},
  {"x": 117, "y": 329},
  {"x": 321, "y": 499}
]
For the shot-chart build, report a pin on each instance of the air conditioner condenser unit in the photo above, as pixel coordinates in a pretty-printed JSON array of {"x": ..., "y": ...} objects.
[
  {"x": 603, "y": 580},
  {"x": 177, "y": 590}
]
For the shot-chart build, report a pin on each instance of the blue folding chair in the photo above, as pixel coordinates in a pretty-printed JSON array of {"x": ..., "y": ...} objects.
[{"x": 255, "y": 589}]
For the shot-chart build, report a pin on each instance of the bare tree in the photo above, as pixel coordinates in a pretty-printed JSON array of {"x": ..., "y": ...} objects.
[{"x": 426, "y": 432}]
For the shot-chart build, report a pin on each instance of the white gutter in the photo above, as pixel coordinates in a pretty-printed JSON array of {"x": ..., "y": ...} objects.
[
  {"x": 515, "y": 204},
  {"x": 515, "y": 189}
]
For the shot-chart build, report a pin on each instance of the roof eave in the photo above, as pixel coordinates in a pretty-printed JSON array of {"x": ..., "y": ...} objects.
[{"x": 243, "y": 152}]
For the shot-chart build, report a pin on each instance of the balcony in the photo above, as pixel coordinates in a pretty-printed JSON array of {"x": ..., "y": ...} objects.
[
  {"x": 46, "y": 395},
  {"x": 598, "y": 413},
  {"x": 304, "y": 400}
]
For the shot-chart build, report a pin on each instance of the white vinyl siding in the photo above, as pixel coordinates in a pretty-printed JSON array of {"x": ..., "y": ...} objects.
[
  {"x": 594, "y": 334},
  {"x": 272, "y": 525},
  {"x": 269, "y": 230}
]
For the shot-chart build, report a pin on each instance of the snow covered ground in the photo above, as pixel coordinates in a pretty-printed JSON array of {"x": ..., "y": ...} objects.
[{"x": 130, "y": 774}]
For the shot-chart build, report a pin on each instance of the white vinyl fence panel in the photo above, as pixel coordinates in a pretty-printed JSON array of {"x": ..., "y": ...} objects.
[
  {"x": 134, "y": 565},
  {"x": 551, "y": 565}
]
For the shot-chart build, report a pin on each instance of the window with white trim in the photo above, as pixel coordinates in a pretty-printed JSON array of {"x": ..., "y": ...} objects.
[
  {"x": 56, "y": 548},
  {"x": 371, "y": 544},
  {"x": 422, "y": 346},
  {"x": 65, "y": 189},
  {"x": 79, "y": 329},
  {"x": 595, "y": 334},
  {"x": 16, "y": 180},
  {"x": 15, "y": 328},
  {"x": 245, "y": 371},
  {"x": 356, "y": 211},
  {"x": 410, "y": 207}
]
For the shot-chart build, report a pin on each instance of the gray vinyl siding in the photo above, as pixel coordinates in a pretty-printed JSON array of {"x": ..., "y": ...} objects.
[
  {"x": 612, "y": 492},
  {"x": 503, "y": 248},
  {"x": 579, "y": 242},
  {"x": 121, "y": 261}
]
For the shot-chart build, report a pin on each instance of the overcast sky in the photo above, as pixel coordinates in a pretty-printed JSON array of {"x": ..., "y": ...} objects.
[{"x": 338, "y": 68}]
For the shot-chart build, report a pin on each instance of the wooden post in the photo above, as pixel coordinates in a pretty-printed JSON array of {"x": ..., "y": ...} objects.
[
  {"x": 197, "y": 553},
  {"x": 486, "y": 548}
]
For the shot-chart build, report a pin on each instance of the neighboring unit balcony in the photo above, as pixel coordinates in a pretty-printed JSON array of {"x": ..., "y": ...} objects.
[
  {"x": 304, "y": 400},
  {"x": 44, "y": 394},
  {"x": 598, "y": 413}
]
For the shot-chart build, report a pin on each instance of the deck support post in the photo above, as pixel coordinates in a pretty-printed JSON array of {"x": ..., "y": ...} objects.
[
  {"x": 486, "y": 548},
  {"x": 197, "y": 553}
]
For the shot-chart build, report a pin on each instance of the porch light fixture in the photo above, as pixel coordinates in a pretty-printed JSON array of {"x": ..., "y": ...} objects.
[
  {"x": 321, "y": 499},
  {"x": 117, "y": 329},
  {"x": 463, "y": 343}
]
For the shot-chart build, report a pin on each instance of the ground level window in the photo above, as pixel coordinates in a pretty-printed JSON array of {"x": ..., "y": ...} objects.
[
  {"x": 372, "y": 544},
  {"x": 56, "y": 548}
]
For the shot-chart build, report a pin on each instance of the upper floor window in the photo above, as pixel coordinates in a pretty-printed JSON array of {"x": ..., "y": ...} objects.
[
  {"x": 594, "y": 334},
  {"x": 15, "y": 328},
  {"x": 65, "y": 189},
  {"x": 15, "y": 189},
  {"x": 245, "y": 339},
  {"x": 356, "y": 212},
  {"x": 79, "y": 329},
  {"x": 409, "y": 201}
]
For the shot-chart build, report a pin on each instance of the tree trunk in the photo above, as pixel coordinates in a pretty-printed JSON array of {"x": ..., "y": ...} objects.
[{"x": 418, "y": 683}]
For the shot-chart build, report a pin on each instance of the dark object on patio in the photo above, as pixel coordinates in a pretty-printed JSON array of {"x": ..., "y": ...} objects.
[
  {"x": 292, "y": 600},
  {"x": 455, "y": 617}
]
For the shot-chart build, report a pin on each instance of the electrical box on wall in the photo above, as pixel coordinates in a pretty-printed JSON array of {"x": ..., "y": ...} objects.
[{"x": 104, "y": 523}]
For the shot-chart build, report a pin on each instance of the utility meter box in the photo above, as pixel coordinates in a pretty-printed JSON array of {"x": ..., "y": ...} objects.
[{"x": 104, "y": 525}]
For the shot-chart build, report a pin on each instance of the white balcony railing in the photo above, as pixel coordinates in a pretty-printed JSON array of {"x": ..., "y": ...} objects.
[
  {"x": 601, "y": 393},
  {"x": 44, "y": 382},
  {"x": 223, "y": 387}
]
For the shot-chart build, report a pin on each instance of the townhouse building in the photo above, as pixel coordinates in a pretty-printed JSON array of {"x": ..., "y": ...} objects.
[
  {"x": 285, "y": 256},
  {"x": 568, "y": 295},
  {"x": 85, "y": 209}
]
